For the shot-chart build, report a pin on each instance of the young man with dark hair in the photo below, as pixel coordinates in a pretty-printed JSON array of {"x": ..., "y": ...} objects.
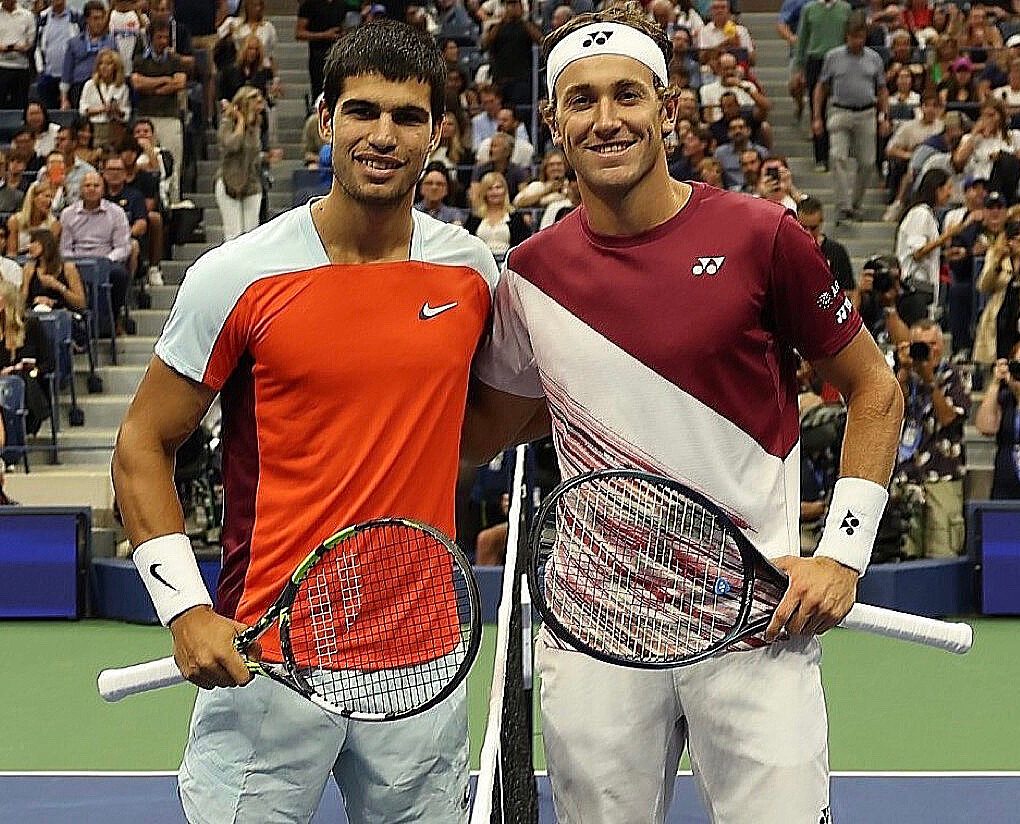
[
  {"x": 322, "y": 315},
  {"x": 649, "y": 359}
]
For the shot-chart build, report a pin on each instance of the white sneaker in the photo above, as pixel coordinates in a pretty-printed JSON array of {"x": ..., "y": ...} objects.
[
  {"x": 155, "y": 276},
  {"x": 892, "y": 213}
]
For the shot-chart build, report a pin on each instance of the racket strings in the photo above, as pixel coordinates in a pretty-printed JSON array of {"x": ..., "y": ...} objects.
[
  {"x": 381, "y": 623},
  {"x": 640, "y": 570}
]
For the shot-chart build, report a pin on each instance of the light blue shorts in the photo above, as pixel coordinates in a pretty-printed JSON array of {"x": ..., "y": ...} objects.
[{"x": 261, "y": 754}]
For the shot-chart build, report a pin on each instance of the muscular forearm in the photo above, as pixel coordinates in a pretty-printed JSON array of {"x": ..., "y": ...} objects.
[{"x": 874, "y": 418}]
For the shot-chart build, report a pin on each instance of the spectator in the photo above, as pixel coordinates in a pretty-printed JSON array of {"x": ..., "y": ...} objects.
[
  {"x": 710, "y": 172},
  {"x": 728, "y": 154},
  {"x": 559, "y": 209},
  {"x": 811, "y": 215},
  {"x": 960, "y": 86},
  {"x": 158, "y": 77},
  {"x": 239, "y": 179},
  {"x": 877, "y": 297},
  {"x": 252, "y": 23},
  {"x": 250, "y": 70},
  {"x": 731, "y": 80},
  {"x": 82, "y": 50},
  {"x": 901, "y": 147},
  {"x": 493, "y": 218},
  {"x": 311, "y": 141},
  {"x": 997, "y": 333},
  {"x": 17, "y": 37},
  {"x": 94, "y": 227},
  {"x": 684, "y": 62},
  {"x": 500, "y": 151},
  {"x": 133, "y": 203},
  {"x": 822, "y": 28},
  {"x": 687, "y": 106},
  {"x": 44, "y": 131},
  {"x": 486, "y": 123},
  {"x": 786, "y": 27},
  {"x": 507, "y": 123},
  {"x": 23, "y": 150},
  {"x": 919, "y": 243},
  {"x": 776, "y": 183},
  {"x": 750, "y": 168},
  {"x": 959, "y": 256},
  {"x": 58, "y": 24},
  {"x": 49, "y": 280},
  {"x": 903, "y": 57},
  {"x": 154, "y": 159},
  {"x": 74, "y": 168},
  {"x": 696, "y": 146},
  {"x": 1009, "y": 94},
  {"x": 450, "y": 151},
  {"x": 761, "y": 132},
  {"x": 932, "y": 453},
  {"x": 991, "y": 135},
  {"x": 560, "y": 16},
  {"x": 25, "y": 351},
  {"x": 851, "y": 80},
  {"x": 320, "y": 24},
  {"x": 35, "y": 213},
  {"x": 509, "y": 41},
  {"x": 549, "y": 186},
  {"x": 722, "y": 31},
  {"x": 455, "y": 23},
  {"x": 127, "y": 25},
  {"x": 998, "y": 416},
  {"x": 10, "y": 270},
  {"x": 903, "y": 100},
  {"x": 979, "y": 36},
  {"x": 937, "y": 152},
  {"x": 106, "y": 99},
  {"x": 433, "y": 190},
  {"x": 148, "y": 185},
  {"x": 85, "y": 148},
  {"x": 689, "y": 18},
  {"x": 180, "y": 35},
  {"x": 11, "y": 196}
]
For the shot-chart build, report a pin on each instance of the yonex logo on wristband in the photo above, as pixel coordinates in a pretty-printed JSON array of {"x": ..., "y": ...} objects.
[{"x": 850, "y": 523}]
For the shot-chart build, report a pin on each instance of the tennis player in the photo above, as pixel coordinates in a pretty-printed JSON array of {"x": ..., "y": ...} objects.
[
  {"x": 340, "y": 337},
  {"x": 659, "y": 321}
]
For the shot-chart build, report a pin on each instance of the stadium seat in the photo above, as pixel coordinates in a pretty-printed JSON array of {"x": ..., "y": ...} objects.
[
  {"x": 59, "y": 326},
  {"x": 10, "y": 122},
  {"x": 306, "y": 178},
  {"x": 95, "y": 274},
  {"x": 12, "y": 401}
]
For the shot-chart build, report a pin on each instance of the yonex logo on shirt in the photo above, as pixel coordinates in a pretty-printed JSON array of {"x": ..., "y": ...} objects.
[{"x": 707, "y": 265}]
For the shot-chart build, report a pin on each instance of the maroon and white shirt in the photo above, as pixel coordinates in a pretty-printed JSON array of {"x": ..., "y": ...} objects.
[{"x": 672, "y": 351}]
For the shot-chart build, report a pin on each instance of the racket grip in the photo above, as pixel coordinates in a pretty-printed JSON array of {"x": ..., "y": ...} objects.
[
  {"x": 952, "y": 637},
  {"x": 115, "y": 684}
]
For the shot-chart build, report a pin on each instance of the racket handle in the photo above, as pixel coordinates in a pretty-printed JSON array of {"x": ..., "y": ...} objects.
[
  {"x": 952, "y": 637},
  {"x": 115, "y": 684}
]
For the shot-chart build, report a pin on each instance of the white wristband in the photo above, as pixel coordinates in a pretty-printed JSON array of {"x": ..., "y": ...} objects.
[
  {"x": 852, "y": 523},
  {"x": 170, "y": 573}
]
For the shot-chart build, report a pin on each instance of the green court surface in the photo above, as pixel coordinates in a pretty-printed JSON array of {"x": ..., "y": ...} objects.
[{"x": 892, "y": 706}]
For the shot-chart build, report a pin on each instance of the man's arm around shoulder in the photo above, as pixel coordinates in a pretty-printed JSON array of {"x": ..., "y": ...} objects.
[
  {"x": 495, "y": 420},
  {"x": 166, "y": 409}
]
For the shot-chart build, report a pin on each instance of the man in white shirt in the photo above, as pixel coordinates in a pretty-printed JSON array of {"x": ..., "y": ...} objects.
[
  {"x": 908, "y": 136},
  {"x": 724, "y": 32},
  {"x": 507, "y": 123},
  {"x": 731, "y": 79},
  {"x": 17, "y": 38}
]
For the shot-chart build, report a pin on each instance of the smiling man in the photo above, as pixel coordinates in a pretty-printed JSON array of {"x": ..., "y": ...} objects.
[
  {"x": 340, "y": 337},
  {"x": 650, "y": 358}
]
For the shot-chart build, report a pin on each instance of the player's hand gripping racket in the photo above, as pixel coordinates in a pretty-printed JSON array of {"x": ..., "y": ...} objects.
[
  {"x": 642, "y": 571},
  {"x": 381, "y": 621}
]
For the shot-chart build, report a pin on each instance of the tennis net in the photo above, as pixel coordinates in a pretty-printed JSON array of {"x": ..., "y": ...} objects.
[{"x": 505, "y": 793}]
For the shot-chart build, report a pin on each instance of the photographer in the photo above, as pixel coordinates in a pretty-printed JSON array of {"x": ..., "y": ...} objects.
[
  {"x": 776, "y": 183},
  {"x": 1000, "y": 279},
  {"x": 877, "y": 297},
  {"x": 932, "y": 456},
  {"x": 999, "y": 415}
]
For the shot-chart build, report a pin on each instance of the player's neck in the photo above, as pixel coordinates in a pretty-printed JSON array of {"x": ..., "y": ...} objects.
[
  {"x": 353, "y": 232},
  {"x": 650, "y": 203}
]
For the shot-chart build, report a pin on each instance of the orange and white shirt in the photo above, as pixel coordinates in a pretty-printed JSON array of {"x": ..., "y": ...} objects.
[{"x": 343, "y": 388}]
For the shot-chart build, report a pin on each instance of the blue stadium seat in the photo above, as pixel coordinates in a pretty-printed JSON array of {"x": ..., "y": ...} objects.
[
  {"x": 95, "y": 274},
  {"x": 64, "y": 117},
  {"x": 10, "y": 122},
  {"x": 305, "y": 178},
  {"x": 59, "y": 328},
  {"x": 12, "y": 402}
]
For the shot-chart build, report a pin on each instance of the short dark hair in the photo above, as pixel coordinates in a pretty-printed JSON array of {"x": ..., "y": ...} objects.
[
  {"x": 393, "y": 49},
  {"x": 809, "y": 205},
  {"x": 91, "y": 6},
  {"x": 159, "y": 23}
]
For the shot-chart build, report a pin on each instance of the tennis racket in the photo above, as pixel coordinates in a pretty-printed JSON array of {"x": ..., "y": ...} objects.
[
  {"x": 641, "y": 571},
  {"x": 381, "y": 621}
]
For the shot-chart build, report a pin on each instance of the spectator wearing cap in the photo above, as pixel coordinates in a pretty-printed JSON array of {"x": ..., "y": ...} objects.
[
  {"x": 901, "y": 147},
  {"x": 852, "y": 82},
  {"x": 961, "y": 85},
  {"x": 959, "y": 256}
]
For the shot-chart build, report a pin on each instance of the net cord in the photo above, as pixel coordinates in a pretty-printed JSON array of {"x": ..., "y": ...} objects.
[{"x": 481, "y": 812}]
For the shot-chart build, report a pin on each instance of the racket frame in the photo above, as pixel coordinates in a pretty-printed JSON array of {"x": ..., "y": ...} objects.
[
  {"x": 755, "y": 567},
  {"x": 289, "y": 673}
]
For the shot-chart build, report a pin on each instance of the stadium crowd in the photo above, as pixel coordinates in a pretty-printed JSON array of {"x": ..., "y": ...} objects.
[{"x": 920, "y": 98}]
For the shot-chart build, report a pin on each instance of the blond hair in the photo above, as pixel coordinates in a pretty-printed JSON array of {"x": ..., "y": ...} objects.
[
  {"x": 487, "y": 181},
  {"x": 24, "y": 214},
  {"x": 118, "y": 66},
  {"x": 13, "y": 307}
]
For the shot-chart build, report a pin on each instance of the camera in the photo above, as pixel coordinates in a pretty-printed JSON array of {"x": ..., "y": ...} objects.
[
  {"x": 919, "y": 351},
  {"x": 1014, "y": 369},
  {"x": 881, "y": 275},
  {"x": 773, "y": 172}
]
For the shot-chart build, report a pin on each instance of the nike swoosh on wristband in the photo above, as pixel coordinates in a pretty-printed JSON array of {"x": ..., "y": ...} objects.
[
  {"x": 431, "y": 311},
  {"x": 160, "y": 578}
]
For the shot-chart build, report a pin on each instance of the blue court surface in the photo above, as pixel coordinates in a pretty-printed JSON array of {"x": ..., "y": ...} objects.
[{"x": 857, "y": 798}]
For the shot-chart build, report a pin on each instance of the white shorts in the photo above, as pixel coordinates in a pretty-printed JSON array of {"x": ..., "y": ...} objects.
[
  {"x": 261, "y": 754},
  {"x": 754, "y": 723}
]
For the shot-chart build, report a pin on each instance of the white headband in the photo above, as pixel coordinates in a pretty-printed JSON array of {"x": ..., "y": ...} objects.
[{"x": 604, "y": 38}]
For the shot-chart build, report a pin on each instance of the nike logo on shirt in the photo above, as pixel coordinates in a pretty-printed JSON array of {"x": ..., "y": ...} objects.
[
  {"x": 160, "y": 578},
  {"x": 431, "y": 311}
]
